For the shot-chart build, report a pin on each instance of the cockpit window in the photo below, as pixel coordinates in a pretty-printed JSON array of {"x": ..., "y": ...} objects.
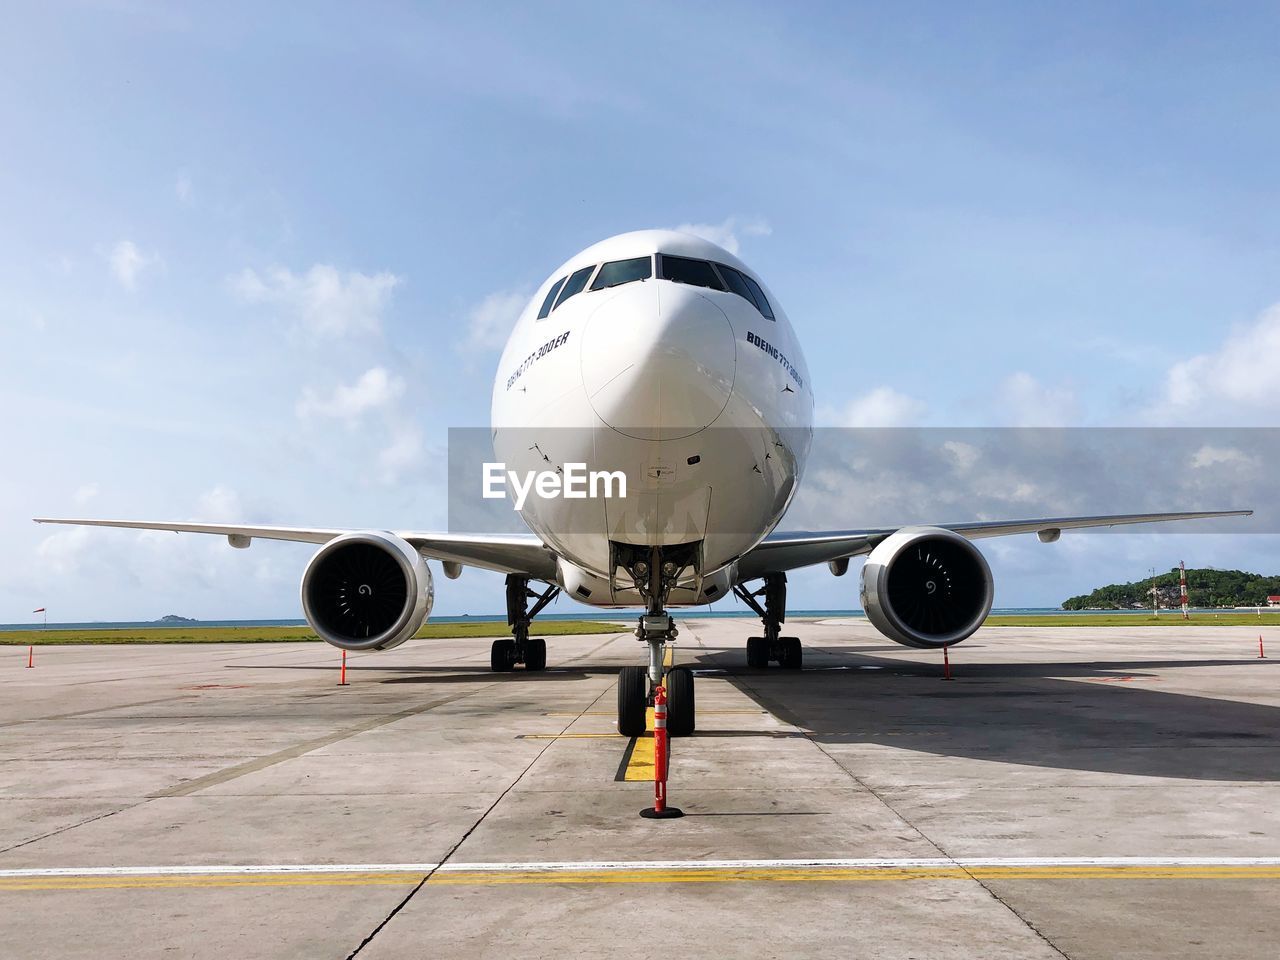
[
  {"x": 699, "y": 273},
  {"x": 737, "y": 283},
  {"x": 761, "y": 300},
  {"x": 618, "y": 272},
  {"x": 551, "y": 298},
  {"x": 577, "y": 280},
  {"x": 746, "y": 288}
]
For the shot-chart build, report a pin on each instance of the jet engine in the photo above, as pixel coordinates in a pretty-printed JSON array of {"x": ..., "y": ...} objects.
[
  {"x": 367, "y": 591},
  {"x": 926, "y": 587}
]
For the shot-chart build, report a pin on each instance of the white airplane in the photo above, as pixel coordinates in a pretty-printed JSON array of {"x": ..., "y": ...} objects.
[{"x": 662, "y": 356}]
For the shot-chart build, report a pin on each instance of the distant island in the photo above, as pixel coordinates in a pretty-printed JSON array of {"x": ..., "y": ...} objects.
[
  {"x": 1205, "y": 588},
  {"x": 174, "y": 618}
]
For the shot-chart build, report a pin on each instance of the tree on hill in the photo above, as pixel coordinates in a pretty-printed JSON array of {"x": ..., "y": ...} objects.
[{"x": 1205, "y": 588}]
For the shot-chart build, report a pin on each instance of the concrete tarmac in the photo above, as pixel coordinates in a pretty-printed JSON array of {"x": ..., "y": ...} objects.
[{"x": 421, "y": 805}]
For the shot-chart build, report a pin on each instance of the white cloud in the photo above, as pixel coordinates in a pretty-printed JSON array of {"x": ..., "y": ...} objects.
[
  {"x": 965, "y": 455},
  {"x": 128, "y": 262},
  {"x": 220, "y": 505},
  {"x": 1239, "y": 378},
  {"x": 404, "y": 451},
  {"x": 489, "y": 322},
  {"x": 1208, "y": 456},
  {"x": 84, "y": 494},
  {"x": 182, "y": 188},
  {"x": 882, "y": 407},
  {"x": 326, "y": 301},
  {"x": 1026, "y": 402},
  {"x": 728, "y": 231},
  {"x": 63, "y": 552},
  {"x": 375, "y": 389}
]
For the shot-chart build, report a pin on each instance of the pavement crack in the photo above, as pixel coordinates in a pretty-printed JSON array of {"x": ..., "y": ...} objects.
[
  {"x": 84, "y": 713},
  {"x": 1025, "y": 922},
  {"x": 472, "y": 829},
  {"x": 299, "y": 749},
  {"x": 71, "y": 826},
  {"x": 783, "y": 714}
]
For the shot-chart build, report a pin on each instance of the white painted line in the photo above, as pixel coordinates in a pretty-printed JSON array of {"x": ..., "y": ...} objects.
[
  {"x": 233, "y": 870},
  {"x": 885, "y": 862},
  {"x": 657, "y": 865}
]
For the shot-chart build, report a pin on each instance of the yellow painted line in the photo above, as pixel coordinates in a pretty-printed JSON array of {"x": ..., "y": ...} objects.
[
  {"x": 701, "y": 713},
  {"x": 641, "y": 762},
  {"x": 806, "y": 874},
  {"x": 856, "y": 874}
]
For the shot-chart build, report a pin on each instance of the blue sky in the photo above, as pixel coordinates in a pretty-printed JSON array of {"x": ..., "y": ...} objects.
[{"x": 256, "y": 261}]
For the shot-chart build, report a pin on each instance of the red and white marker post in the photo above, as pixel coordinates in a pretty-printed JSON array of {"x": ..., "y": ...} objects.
[
  {"x": 660, "y": 810},
  {"x": 946, "y": 663},
  {"x": 342, "y": 674},
  {"x": 31, "y": 655},
  {"x": 1261, "y": 654}
]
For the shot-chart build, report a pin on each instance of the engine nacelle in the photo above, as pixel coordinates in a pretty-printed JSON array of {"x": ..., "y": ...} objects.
[
  {"x": 926, "y": 587},
  {"x": 367, "y": 591}
]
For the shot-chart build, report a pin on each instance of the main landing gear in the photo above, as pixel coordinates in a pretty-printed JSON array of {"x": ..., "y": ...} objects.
[
  {"x": 761, "y": 651},
  {"x": 520, "y": 647},
  {"x": 654, "y": 575}
]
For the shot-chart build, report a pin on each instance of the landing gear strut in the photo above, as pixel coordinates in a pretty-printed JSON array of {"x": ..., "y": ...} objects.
[
  {"x": 654, "y": 575},
  {"x": 771, "y": 647},
  {"x": 520, "y": 647}
]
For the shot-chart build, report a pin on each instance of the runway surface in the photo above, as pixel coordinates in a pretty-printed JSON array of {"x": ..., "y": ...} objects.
[{"x": 1085, "y": 793}]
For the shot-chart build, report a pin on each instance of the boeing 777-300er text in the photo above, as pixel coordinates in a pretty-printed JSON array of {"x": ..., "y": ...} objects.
[{"x": 665, "y": 357}]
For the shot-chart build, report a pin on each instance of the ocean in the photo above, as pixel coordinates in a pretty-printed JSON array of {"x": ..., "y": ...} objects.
[{"x": 583, "y": 615}]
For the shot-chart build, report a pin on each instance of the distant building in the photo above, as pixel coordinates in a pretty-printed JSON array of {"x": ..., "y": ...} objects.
[{"x": 1273, "y": 601}]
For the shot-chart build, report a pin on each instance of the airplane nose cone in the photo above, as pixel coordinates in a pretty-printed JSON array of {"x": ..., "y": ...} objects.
[{"x": 658, "y": 360}]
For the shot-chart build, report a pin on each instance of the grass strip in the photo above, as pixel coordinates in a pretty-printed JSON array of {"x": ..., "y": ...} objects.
[
  {"x": 1170, "y": 618},
  {"x": 188, "y": 633}
]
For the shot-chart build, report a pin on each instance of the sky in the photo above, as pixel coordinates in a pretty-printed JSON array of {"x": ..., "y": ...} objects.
[{"x": 255, "y": 260}]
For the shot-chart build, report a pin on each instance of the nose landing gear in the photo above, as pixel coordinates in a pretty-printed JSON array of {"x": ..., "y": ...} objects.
[
  {"x": 654, "y": 576},
  {"x": 520, "y": 647},
  {"x": 761, "y": 651}
]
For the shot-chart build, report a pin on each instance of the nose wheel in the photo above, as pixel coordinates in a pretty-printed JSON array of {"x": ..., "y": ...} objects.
[
  {"x": 637, "y": 684},
  {"x": 635, "y": 698},
  {"x": 655, "y": 570},
  {"x": 633, "y": 701},
  {"x": 681, "y": 709}
]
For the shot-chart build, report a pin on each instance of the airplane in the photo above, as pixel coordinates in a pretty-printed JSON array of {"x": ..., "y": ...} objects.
[{"x": 662, "y": 356}]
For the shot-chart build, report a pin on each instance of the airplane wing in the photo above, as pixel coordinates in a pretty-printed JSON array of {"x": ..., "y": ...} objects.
[
  {"x": 506, "y": 553},
  {"x": 780, "y": 552}
]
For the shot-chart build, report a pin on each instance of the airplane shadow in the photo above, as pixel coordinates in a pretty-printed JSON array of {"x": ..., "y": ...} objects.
[
  {"x": 439, "y": 674},
  {"x": 1034, "y": 714}
]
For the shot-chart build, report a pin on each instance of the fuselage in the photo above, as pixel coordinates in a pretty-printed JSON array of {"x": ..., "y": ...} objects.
[{"x": 663, "y": 356}]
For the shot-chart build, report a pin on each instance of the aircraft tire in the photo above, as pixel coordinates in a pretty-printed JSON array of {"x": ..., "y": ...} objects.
[
  {"x": 502, "y": 655},
  {"x": 535, "y": 654},
  {"x": 757, "y": 652},
  {"x": 633, "y": 700},
  {"x": 791, "y": 653},
  {"x": 681, "y": 712}
]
